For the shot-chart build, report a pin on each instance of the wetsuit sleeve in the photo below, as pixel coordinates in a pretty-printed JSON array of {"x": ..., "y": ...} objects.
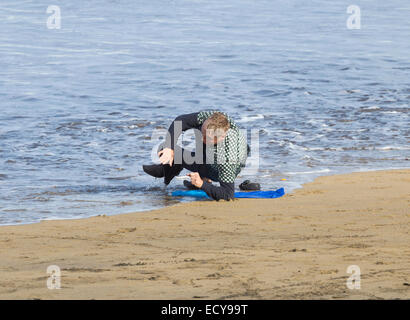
[
  {"x": 181, "y": 123},
  {"x": 226, "y": 190}
]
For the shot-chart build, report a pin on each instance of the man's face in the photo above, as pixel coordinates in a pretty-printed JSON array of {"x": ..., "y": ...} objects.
[{"x": 211, "y": 136}]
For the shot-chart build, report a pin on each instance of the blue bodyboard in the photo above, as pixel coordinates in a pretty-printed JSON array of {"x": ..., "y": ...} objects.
[{"x": 250, "y": 194}]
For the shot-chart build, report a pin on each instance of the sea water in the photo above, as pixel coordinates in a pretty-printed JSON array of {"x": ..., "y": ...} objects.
[{"x": 82, "y": 98}]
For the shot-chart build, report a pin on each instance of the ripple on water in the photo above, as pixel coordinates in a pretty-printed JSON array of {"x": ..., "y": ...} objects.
[{"x": 75, "y": 108}]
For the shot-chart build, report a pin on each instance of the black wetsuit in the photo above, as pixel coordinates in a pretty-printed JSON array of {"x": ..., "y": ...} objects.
[{"x": 195, "y": 120}]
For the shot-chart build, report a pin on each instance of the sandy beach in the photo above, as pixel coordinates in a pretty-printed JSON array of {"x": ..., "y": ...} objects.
[{"x": 295, "y": 247}]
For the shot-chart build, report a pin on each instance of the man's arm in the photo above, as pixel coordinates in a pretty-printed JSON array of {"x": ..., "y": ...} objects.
[
  {"x": 226, "y": 190},
  {"x": 187, "y": 121}
]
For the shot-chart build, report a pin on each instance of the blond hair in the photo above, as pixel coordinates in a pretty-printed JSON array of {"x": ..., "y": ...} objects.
[{"x": 218, "y": 121}]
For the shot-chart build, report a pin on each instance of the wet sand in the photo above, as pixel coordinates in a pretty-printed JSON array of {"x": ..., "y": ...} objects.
[{"x": 295, "y": 247}]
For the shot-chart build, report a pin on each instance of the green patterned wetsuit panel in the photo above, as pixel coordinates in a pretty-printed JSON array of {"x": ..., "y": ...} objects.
[{"x": 229, "y": 155}]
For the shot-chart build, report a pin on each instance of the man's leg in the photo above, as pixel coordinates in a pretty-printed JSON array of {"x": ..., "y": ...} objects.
[{"x": 192, "y": 161}]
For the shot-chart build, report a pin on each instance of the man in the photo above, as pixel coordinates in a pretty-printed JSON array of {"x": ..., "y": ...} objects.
[{"x": 220, "y": 154}]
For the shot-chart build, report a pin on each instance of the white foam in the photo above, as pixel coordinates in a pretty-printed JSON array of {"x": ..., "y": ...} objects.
[
  {"x": 309, "y": 172},
  {"x": 392, "y": 148},
  {"x": 250, "y": 118},
  {"x": 372, "y": 108}
]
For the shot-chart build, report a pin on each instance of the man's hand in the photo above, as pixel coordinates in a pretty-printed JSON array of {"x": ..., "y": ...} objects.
[
  {"x": 196, "y": 179},
  {"x": 166, "y": 155}
]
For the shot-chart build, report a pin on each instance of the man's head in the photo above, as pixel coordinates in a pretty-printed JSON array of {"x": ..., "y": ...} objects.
[{"x": 214, "y": 128}]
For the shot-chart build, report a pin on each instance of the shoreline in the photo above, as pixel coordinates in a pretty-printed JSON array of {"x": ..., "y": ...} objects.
[
  {"x": 292, "y": 190},
  {"x": 294, "y": 247}
]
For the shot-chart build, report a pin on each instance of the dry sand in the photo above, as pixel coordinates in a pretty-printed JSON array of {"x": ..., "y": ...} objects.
[{"x": 295, "y": 247}]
